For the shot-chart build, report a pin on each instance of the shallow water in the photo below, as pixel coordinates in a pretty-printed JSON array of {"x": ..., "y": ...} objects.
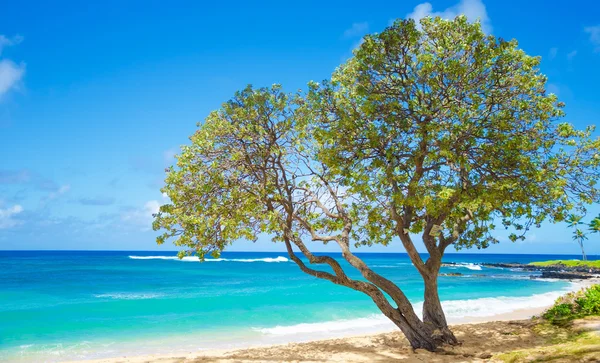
[{"x": 63, "y": 305}]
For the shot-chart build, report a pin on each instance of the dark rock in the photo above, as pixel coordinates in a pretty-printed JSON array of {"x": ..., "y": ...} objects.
[
  {"x": 565, "y": 275},
  {"x": 554, "y": 268},
  {"x": 451, "y": 274}
]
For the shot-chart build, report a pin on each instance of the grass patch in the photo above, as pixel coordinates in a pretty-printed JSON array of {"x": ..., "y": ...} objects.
[
  {"x": 567, "y": 263},
  {"x": 584, "y": 346},
  {"x": 564, "y": 338}
]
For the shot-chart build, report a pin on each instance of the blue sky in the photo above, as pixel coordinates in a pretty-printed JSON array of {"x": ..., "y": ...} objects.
[{"x": 97, "y": 97}]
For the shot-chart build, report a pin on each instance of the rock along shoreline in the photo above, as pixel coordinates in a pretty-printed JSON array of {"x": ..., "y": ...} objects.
[{"x": 558, "y": 271}]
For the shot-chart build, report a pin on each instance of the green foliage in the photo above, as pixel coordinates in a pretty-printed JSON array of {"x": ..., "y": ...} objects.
[
  {"x": 447, "y": 127},
  {"x": 579, "y": 236},
  {"x": 438, "y": 129},
  {"x": 594, "y": 225},
  {"x": 568, "y": 263},
  {"x": 217, "y": 191},
  {"x": 560, "y": 313},
  {"x": 584, "y": 302}
]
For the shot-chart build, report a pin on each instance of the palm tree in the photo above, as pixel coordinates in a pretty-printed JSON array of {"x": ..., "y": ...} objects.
[
  {"x": 579, "y": 236},
  {"x": 574, "y": 220},
  {"x": 595, "y": 225}
]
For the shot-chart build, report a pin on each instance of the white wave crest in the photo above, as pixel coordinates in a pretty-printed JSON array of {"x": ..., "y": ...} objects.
[
  {"x": 195, "y": 259},
  {"x": 373, "y": 321},
  {"x": 455, "y": 310},
  {"x": 128, "y": 296},
  {"x": 470, "y": 266}
]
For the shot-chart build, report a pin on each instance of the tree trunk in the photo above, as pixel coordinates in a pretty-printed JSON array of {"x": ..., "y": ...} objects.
[
  {"x": 416, "y": 332},
  {"x": 433, "y": 314},
  {"x": 419, "y": 337},
  {"x": 582, "y": 251}
]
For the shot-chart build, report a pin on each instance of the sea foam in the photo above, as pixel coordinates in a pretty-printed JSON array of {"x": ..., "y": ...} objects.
[
  {"x": 470, "y": 266},
  {"x": 195, "y": 259},
  {"x": 456, "y": 310},
  {"x": 128, "y": 296}
]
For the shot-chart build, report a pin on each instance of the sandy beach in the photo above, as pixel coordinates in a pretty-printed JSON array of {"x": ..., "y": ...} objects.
[{"x": 482, "y": 338}]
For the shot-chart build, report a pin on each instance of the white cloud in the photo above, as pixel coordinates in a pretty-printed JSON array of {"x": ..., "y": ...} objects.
[
  {"x": 472, "y": 9},
  {"x": 594, "y": 32},
  {"x": 62, "y": 190},
  {"x": 7, "y": 214},
  {"x": 357, "y": 30},
  {"x": 7, "y": 42},
  {"x": 10, "y": 74},
  {"x": 571, "y": 55},
  {"x": 553, "y": 53},
  {"x": 142, "y": 217}
]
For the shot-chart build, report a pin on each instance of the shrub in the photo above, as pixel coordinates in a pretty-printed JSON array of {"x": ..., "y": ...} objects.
[{"x": 574, "y": 305}]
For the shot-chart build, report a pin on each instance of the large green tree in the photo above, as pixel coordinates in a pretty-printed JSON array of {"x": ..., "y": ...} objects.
[
  {"x": 434, "y": 132},
  {"x": 444, "y": 132}
]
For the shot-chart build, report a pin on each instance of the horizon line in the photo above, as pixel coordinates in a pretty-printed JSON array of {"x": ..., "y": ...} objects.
[{"x": 285, "y": 252}]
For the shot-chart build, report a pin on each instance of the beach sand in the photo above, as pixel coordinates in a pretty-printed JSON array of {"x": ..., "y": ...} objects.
[{"x": 482, "y": 340}]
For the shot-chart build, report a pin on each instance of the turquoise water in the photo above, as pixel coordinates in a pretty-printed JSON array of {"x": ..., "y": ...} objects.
[{"x": 67, "y": 305}]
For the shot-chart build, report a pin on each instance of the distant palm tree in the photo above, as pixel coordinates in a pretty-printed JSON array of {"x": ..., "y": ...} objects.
[
  {"x": 579, "y": 236},
  {"x": 595, "y": 225},
  {"x": 574, "y": 220}
]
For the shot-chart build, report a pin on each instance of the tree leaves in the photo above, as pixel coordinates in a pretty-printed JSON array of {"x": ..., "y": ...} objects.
[{"x": 441, "y": 130}]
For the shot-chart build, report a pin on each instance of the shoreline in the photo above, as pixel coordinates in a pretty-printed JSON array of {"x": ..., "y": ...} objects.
[{"x": 492, "y": 322}]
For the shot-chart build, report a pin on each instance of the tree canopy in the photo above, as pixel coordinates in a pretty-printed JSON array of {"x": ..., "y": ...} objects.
[
  {"x": 445, "y": 130},
  {"x": 434, "y": 129}
]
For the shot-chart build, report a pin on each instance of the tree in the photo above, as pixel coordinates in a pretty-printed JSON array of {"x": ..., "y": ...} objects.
[
  {"x": 579, "y": 236},
  {"x": 251, "y": 169},
  {"x": 438, "y": 132},
  {"x": 444, "y": 131},
  {"x": 594, "y": 225}
]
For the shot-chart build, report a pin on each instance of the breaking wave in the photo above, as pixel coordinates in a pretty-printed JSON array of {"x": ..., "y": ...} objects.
[
  {"x": 454, "y": 309},
  {"x": 128, "y": 296},
  {"x": 195, "y": 259},
  {"x": 470, "y": 266}
]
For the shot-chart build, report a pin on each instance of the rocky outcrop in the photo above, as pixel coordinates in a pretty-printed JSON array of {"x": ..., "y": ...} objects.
[
  {"x": 558, "y": 271},
  {"x": 565, "y": 275}
]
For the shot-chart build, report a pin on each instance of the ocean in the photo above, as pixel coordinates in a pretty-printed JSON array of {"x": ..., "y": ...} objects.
[{"x": 74, "y": 305}]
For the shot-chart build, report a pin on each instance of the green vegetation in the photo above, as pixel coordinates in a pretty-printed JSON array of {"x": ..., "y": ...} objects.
[
  {"x": 433, "y": 131},
  {"x": 567, "y": 331},
  {"x": 568, "y": 263},
  {"x": 559, "y": 344},
  {"x": 578, "y": 304}
]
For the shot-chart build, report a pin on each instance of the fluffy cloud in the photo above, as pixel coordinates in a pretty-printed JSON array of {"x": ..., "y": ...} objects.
[
  {"x": 60, "y": 191},
  {"x": 10, "y": 72},
  {"x": 356, "y": 30},
  {"x": 472, "y": 9},
  {"x": 594, "y": 32},
  {"x": 10, "y": 75},
  {"x": 7, "y": 42},
  {"x": 7, "y": 216},
  {"x": 142, "y": 217}
]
